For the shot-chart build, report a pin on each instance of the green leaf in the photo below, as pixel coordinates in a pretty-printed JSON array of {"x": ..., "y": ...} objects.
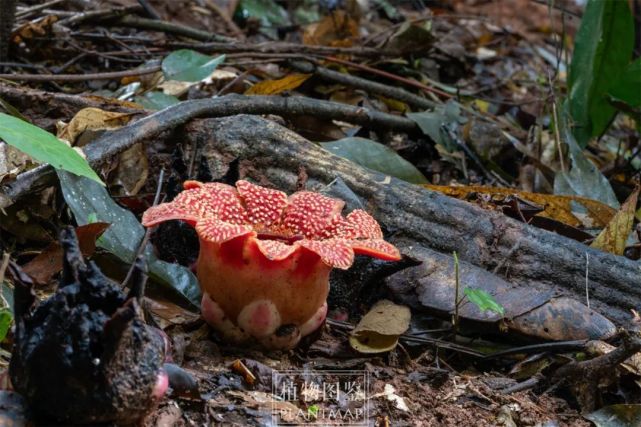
[
  {"x": 603, "y": 49},
  {"x": 267, "y": 11},
  {"x": 189, "y": 66},
  {"x": 375, "y": 156},
  {"x": 156, "y": 100},
  {"x": 583, "y": 178},
  {"x": 44, "y": 147},
  {"x": 89, "y": 200},
  {"x": 5, "y": 322},
  {"x": 483, "y": 300},
  {"x": 432, "y": 123},
  {"x": 627, "y": 88}
]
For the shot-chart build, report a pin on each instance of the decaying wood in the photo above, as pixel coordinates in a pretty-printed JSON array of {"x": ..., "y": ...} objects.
[{"x": 523, "y": 255}]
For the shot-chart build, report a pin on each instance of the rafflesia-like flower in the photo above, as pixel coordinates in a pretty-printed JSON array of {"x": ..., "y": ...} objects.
[{"x": 265, "y": 258}]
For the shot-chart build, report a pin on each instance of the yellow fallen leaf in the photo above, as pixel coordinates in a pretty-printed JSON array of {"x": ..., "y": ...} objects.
[
  {"x": 557, "y": 207},
  {"x": 614, "y": 236},
  {"x": 379, "y": 329},
  {"x": 91, "y": 119},
  {"x": 274, "y": 87}
]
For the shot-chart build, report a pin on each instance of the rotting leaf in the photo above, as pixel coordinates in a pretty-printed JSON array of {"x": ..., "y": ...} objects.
[
  {"x": 189, "y": 66},
  {"x": 572, "y": 210},
  {"x": 49, "y": 262},
  {"x": 44, "y": 147},
  {"x": 622, "y": 415},
  {"x": 122, "y": 239},
  {"x": 379, "y": 329},
  {"x": 335, "y": 29},
  {"x": 274, "y": 87},
  {"x": 375, "y": 156},
  {"x": 615, "y": 235}
]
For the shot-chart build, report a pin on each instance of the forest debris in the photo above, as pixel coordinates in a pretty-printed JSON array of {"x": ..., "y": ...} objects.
[
  {"x": 379, "y": 330},
  {"x": 389, "y": 392},
  {"x": 559, "y": 207},
  {"x": 621, "y": 415},
  {"x": 614, "y": 236},
  {"x": 274, "y": 87},
  {"x": 91, "y": 119},
  {"x": 49, "y": 262}
]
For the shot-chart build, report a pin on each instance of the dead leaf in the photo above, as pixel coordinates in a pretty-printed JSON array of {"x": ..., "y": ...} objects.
[
  {"x": 379, "y": 329},
  {"x": 169, "y": 314},
  {"x": 614, "y": 236},
  {"x": 12, "y": 161},
  {"x": 31, "y": 29},
  {"x": 132, "y": 170},
  {"x": 91, "y": 119},
  {"x": 336, "y": 29},
  {"x": 49, "y": 262},
  {"x": 565, "y": 209},
  {"x": 390, "y": 394},
  {"x": 274, "y": 87}
]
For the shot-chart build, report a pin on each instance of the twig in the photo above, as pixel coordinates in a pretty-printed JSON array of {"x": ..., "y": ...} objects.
[
  {"x": 271, "y": 47},
  {"x": 170, "y": 28},
  {"x": 547, "y": 347},
  {"x": 145, "y": 239},
  {"x": 149, "y": 9},
  {"x": 587, "y": 282},
  {"x": 79, "y": 77},
  {"x": 390, "y": 76},
  {"x": 113, "y": 143},
  {"x": 523, "y": 385},
  {"x": 25, "y": 13},
  {"x": 364, "y": 84},
  {"x": 4, "y": 263}
]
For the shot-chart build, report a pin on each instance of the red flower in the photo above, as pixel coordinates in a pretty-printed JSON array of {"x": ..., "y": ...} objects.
[{"x": 265, "y": 258}]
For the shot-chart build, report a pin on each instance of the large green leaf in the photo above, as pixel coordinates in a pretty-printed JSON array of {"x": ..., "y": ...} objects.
[
  {"x": 627, "y": 88},
  {"x": 44, "y": 147},
  {"x": 375, "y": 156},
  {"x": 189, "y": 66},
  {"x": 5, "y": 322},
  {"x": 603, "y": 49},
  {"x": 91, "y": 202}
]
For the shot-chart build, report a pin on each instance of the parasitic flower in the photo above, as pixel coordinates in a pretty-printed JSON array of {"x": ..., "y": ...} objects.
[{"x": 265, "y": 258}]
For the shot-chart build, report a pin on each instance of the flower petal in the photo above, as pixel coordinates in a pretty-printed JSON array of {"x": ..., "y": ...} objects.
[
  {"x": 310, "y": 213},
  {"x": 216, "y": 231},
  {"x": 275, "y": 250},
  {"x": 335, "y": 253},
  {"x": 210, "y": 200},
  {"x": 357, "y": 225},
  {"x": 167, "y": 211},
  {"x": 376, "y": 248},
  {"x": 264, "y": 205}
]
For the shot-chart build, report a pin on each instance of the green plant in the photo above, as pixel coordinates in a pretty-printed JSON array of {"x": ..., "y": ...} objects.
[{"x": 601, "y": 77}]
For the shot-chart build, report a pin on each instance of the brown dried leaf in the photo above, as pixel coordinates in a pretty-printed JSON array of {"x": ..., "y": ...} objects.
[
  {"x": 379, "y": 329},
  {"x": 274, "y": 87},
  {"x": 336, "y": 29},
  {"x": 32, "y": 29},
  {"x": 614, "y": 236},
  {"x": 91, "y": 119},
  {"x": 554, "y": 206},
  {"x": 49, "y": 262}
]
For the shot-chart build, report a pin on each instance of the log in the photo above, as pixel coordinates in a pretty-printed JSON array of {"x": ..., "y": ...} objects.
[{"x": 521, "y": 254}]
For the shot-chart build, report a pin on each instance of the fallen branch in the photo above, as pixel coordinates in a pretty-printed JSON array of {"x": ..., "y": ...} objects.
[
  {"x": 171, "y": 28},
  {"x": 78, "y": 77},
  {"x": 115, "y": 142}
]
